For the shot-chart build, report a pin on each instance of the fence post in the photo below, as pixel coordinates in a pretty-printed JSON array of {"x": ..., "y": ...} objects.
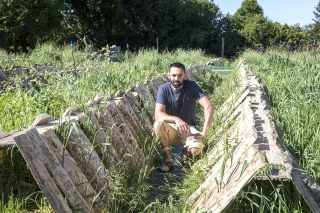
[{"x": 222, "y": 48}]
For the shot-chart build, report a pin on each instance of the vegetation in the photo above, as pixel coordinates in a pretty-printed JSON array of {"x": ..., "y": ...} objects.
[
  {"x": 293, "y": 88},
  {"x": 180, "y": 27},
  {"x": 295, "y": 106},
  {"x": 95, "y": 76}
]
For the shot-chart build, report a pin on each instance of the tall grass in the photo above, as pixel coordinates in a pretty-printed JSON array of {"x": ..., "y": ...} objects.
[
  {"x": 95, "y": 77},
  {"x": 293, "y": 88}
]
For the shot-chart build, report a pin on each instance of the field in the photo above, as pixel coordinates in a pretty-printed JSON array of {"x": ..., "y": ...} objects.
[{"x": 292, "y": 88}]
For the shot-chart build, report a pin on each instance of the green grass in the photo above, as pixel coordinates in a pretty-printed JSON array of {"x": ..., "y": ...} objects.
[
  {"x": 292, "y": 88},
  {"x": 95, "y": 77}
]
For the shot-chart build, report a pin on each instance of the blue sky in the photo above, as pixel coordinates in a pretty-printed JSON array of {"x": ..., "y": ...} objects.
[{"x": 283, "y": 11}]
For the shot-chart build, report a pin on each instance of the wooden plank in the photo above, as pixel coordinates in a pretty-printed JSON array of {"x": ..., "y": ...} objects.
[
  {"x": 138, "y": 111},
  {"x": 154, "y": 85},
  {"x": 126, "y": 108},
  {"x": 310, "y": 193},
  {"x": 225, "y": 179},
  {"x": 102, "y": 142},
  {"x": 126, "y": 129},
  {"x": 4, "y": 134},
  {"x": 213, "y": 197},
  {"x": 55, "y": 168},
  {"x": 69, "y": 164},
  {"x": 146, "y": 97},
  {"x": 190, "y": 71},
  {"x": 3, "y": 76},
  {"x": 7, "y": 139},
  {"x": 120, "y": 143},
  {"x": 108, "y": 123},
  {"x": 2, "y": 151},
  {"x": 300, "y": 185},
  {"x": 87, "y": 158},
  {"x": 124, "y": 125},
  {"x": 41, "y": 174}
]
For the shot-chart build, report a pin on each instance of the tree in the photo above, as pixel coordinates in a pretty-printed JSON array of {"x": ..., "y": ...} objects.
[
  {"x": 315, "y": 30},
  {"x": 25, "y": 23},
  {"x": 248, "y": 21}
]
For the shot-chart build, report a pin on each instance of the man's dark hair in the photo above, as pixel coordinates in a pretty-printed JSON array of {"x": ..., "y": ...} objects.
[{"x": 178, "y": 65}]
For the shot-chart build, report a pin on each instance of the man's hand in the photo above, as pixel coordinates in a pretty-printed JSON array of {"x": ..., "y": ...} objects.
[
  {"x": 198, "y": 135},
  {"x": 182, "y": 126}
]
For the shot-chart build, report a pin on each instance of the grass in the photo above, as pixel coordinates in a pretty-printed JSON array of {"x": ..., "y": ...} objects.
[
  {"x": 106, "y": 77},
  {"x": 293, "y": 88},
  {"x": 95, "y": 77}
]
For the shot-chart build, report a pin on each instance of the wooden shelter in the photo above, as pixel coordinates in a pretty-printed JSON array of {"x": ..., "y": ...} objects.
[
  {"x": 76, "y": 167},
  {"x": 248, "y": 147}
]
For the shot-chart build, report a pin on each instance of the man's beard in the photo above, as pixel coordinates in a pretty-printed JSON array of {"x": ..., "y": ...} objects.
[{"x": 176, "y": 84}]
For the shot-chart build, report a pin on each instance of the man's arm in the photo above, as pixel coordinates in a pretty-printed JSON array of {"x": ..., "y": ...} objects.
[
  {"x": 160, "y": 114},
  {"x": 208, "y": 110}
]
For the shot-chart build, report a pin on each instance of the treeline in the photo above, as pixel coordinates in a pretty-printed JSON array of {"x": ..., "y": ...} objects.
[{"x": 138, "y": 24}]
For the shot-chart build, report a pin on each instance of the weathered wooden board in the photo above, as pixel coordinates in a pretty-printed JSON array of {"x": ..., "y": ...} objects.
[
  {"x": 87, "y": 158},
  {"x": 60, "y": 176},
  {"x": 107, "y": 122},
  {"x": 154, "y": 84},
  {"x": 3, "y": 76},
  {"x": 2, "y": 151},
  {"x": 126, "y": 108},
  {"x": 126, "y": 129},
  {"x": 123, "y": 140},
  {"x": 102, "y": 142},
  {"x": 41, "y": 174},
  {"x": 6, "y": 139},
  {"x": 69, "y": 164},
  {"x": 146, "y": 97},
  {"x": 190, "y": 71},
  {"x": 138, "y": 111},
  {"x": 214, "y": 196}
]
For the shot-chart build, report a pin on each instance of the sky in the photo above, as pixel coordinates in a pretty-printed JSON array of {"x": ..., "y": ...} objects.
[{"x": 282, "y": 11}]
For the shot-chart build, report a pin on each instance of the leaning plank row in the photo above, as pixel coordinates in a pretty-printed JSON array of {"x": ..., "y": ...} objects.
[
  {"x": 75, "y": 165},
  {"x": 27, "y": 76}
]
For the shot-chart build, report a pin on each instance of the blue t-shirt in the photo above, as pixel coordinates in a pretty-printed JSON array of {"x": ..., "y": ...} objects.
[{"x": 182, "y": 102}]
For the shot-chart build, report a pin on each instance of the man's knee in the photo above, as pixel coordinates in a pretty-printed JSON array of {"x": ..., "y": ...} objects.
[
  {"x": 158, "y": 127},
  {"x": 195, "y": 151},
  {"x": 195, "y": 146}
]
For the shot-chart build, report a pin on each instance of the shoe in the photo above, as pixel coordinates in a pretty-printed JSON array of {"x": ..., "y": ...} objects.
[{"x": 166, "y": 166}]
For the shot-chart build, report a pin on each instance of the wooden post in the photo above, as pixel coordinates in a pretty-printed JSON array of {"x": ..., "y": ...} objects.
[
  {"x": 222, "y": 48},
  {"x": 157, "y": 40},
  {"x": 2, "y": 150}
]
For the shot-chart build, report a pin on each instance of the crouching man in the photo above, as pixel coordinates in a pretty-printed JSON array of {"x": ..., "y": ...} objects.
[{"x": 175, "y": 114}]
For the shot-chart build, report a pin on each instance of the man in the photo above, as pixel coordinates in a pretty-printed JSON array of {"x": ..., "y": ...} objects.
[{"x": 175, "y": 114}]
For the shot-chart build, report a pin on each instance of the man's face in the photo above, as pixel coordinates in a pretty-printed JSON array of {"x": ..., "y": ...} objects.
[{"x": 177, "y": 76}]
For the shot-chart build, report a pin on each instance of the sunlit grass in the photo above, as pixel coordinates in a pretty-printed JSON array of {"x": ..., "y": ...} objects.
[{"x": 293, "y": 88}]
